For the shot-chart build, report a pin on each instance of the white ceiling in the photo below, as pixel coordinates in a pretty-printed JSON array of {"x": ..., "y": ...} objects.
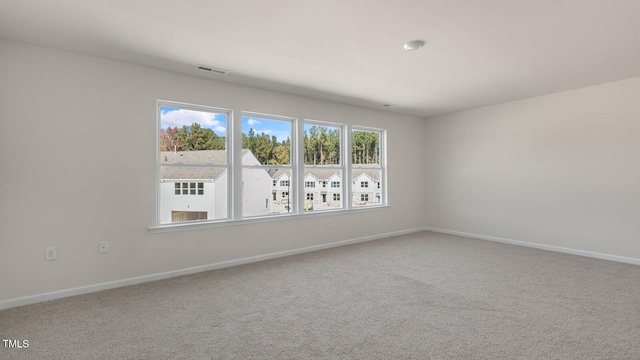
[{"x": 478, "y": 52}]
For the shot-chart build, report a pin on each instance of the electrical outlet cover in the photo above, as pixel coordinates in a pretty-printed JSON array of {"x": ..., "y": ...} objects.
[
  {"x": 103, "y": 247},
  {"x": 50, "y": 253}
]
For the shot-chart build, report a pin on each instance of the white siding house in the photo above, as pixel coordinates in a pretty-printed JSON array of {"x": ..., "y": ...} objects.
[
  {"x": 256, "y": 187},
  {"x": 323, "y": 188},
  {"x": 366, "y": 187},
  {"x": 193, "y": 186}
]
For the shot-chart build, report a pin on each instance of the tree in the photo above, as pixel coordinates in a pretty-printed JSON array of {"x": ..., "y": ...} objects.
[
  {"x": 189, "y": 138},
  {"x": 365, "y": 147},
  {"x": 169, "y": 139}
]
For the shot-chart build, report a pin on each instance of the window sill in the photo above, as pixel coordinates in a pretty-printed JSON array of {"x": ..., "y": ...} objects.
[{"x": 204, "y": 224}]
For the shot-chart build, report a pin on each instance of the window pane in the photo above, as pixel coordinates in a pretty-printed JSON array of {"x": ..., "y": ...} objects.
[
  {"x": 265, "y": 191},
  {"x": 321, "y": 145},
  {"x": 192, "y": 137},
  {"x": 178, "y": 186},
  {"x": 365, "y": 186},
  {"x": 265, "y": 141},
  {"x": 365, "y": 147}
]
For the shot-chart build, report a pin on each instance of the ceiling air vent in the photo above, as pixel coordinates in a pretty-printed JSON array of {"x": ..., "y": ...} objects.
[{"x": 211, "y": 69}]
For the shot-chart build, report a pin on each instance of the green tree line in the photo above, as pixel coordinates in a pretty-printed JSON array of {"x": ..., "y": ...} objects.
[
  {"x": 189, "y": 138},
  {"x": 321, "y": 144},
  {"x": 267, "y": 149}
]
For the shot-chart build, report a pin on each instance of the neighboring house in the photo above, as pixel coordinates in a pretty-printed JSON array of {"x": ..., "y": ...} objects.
[
  {"x": 323, "y": 188},
  {"x": 193, "y": 188},
  {"x": 366, "y": 187},
  {"x": 281, "y": 186}
]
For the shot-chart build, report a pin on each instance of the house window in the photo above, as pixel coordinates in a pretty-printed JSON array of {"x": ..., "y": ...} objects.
[
  {"x": 323, "y": 144},
  {"x": 192, "y": 148},
  {"x": 367, "y": 163},
  {"x": 194, "y": 154},
  {"x": 266, "y": 155},
  {"x": 190, "y": 188}
]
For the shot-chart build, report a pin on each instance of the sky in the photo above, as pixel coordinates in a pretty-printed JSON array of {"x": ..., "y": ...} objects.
[
  {"x": 175, "y": 117},
  {"x": 280, "y": 129}
]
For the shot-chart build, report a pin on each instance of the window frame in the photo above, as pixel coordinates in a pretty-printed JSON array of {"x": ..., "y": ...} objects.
[
  {"x": 226, "y": 166},
  {"x": 296, "y": 167},
  {"x": 239, "y": 212},
  {"x": 381, "y": 167},
  {"x": 339, "y": 168}
]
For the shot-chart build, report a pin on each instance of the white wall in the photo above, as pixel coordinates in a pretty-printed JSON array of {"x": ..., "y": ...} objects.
[
  {"x": 561, "y": 170},
  {"x": 77, "y": 166}
]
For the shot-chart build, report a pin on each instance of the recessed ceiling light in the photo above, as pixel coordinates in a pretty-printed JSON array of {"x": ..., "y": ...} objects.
[{"x": 414, "y": 45}]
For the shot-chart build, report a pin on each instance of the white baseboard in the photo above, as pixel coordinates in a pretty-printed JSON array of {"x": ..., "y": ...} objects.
[
  {"x": 591, "y": 254},
  {"x": 27, "y": 300}
]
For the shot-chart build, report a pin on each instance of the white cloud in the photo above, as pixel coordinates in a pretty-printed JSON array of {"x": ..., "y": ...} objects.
[
  {"x": 253, "y": 122},
  {"x": 181, "y": 117}
]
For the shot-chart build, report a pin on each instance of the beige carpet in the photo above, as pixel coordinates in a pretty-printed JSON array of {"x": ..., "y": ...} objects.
[{"x": 418, "y": 296}]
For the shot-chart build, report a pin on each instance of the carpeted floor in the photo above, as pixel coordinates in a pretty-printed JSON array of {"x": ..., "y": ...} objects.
[{"x": 418, "y": 296}]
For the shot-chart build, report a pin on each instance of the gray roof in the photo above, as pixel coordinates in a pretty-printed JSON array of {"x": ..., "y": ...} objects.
[
  {"x": 173, "y": 170},
  {"x": 173, "y": 160},
  {"x": 374, "y": 174},
  {"x": 201, "y": 157},
  {"x": 324, "y": 174}
]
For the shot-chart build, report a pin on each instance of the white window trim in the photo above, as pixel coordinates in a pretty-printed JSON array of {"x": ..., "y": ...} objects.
[
  {"x": 382, "y": 168},
  {"x": 296, "y": 193},
  {"x": 229, "y": 154}
]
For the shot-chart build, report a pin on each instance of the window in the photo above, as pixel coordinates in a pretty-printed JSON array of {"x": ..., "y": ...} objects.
[
  {"x": 192, "y": 157},
  {"x": 323, "y": 160},
  {"x": 367, "y": 164},
  {"x": 266, "y": 156},
  {"x": 188, "y": 188},
  {"x": 278, "y": 165}
]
